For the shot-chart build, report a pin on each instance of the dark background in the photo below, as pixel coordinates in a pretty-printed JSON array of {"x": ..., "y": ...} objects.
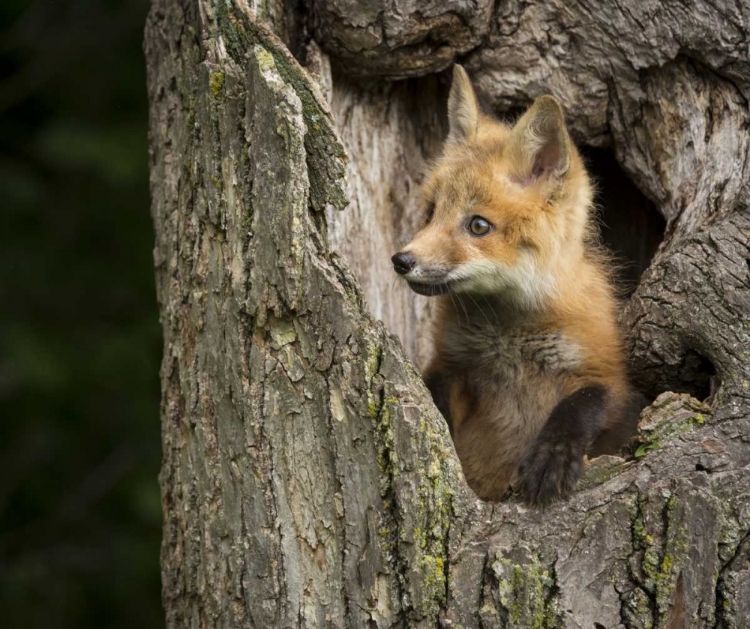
[{"x": 80, "y": 341}]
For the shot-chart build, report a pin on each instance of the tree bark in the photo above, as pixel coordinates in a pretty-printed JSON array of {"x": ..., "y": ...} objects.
[{"x": 308, "y": 480}]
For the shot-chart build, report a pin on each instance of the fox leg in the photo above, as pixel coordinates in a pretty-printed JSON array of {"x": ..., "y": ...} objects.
[
  {"x": 624, "y": 426},
  {"x": 439, "y": 387},
  {"x": 554, "y": 462},
  {"x": 451, "y": 396}
]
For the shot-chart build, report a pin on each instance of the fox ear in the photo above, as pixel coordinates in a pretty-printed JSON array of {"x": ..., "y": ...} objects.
[
  {"x": 463, "y": 111},
  {"x": 539, "y": 143}
]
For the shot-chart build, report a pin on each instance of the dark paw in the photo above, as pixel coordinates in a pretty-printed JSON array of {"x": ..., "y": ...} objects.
[{"x": 550, "y": 471}]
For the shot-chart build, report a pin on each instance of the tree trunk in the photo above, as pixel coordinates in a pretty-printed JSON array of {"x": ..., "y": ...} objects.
[{"x": 308, "y": 480}]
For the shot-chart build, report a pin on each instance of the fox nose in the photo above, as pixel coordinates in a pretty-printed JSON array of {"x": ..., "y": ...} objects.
[{"x": 403, "y": 262}]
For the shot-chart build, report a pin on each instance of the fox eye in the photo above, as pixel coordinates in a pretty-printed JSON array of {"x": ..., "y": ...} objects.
[
  {"x": 479, "y": 226},
  {"x": 430, "y": 212}
]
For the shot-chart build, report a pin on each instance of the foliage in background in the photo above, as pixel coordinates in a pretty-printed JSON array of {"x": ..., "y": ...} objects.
[{"x": 79, "y": 337}]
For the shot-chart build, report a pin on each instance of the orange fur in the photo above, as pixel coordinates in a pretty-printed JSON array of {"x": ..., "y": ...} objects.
[{"x": 539, "y": 266}]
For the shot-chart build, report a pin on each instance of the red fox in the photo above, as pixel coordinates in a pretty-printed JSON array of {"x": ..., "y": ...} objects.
[{"x": 529, "y": 369}]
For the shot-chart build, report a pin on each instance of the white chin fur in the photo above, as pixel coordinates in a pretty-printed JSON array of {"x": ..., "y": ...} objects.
[{"x": 524, "y": 282}]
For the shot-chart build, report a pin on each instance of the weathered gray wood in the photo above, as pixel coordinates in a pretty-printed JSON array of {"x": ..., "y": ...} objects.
[
  {"x": 398, "y": 38},
  {"x": 388, "y": 144},
  {"x": 307, "y": 478}
]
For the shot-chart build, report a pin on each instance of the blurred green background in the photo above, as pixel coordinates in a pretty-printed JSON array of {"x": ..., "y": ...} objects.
[{"x": 80, "y": 341}]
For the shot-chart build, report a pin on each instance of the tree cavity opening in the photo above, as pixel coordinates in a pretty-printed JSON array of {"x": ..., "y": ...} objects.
[
  {"x": 631, "y": 226},
  {"x": 695, "y": 375}
]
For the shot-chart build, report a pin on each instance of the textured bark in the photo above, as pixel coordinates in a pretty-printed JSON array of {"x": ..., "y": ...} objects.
[
  {"x": 308, "y": 480},
  {"x": 398, "y": 38},
  {"x": 388, "y": 144}
]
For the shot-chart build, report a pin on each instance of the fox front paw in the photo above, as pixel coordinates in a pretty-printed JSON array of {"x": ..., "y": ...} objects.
[{"x": 550, "y": 470}]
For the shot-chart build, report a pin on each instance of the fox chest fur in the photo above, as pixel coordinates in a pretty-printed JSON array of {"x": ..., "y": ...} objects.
[{"x": 501, "y": 380}]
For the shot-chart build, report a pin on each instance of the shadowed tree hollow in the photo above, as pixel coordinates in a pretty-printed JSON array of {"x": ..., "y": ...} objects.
[{"x": 308, "y": 480}]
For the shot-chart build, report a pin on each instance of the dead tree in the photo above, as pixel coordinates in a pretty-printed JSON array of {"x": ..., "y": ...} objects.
[{"x": 308, "y": 479}]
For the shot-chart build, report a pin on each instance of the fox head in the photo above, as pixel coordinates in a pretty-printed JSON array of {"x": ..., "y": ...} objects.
[{"x": 506, "y": 208}]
